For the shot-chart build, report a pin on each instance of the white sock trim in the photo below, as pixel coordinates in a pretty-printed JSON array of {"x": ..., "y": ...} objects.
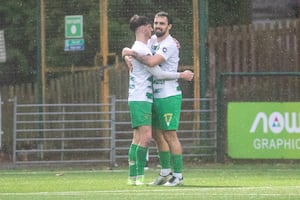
[
  {"x": 165, "y": 172},
  {"x": 178, "y": 175}
]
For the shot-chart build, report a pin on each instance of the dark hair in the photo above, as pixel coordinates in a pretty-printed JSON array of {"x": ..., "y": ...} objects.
[
  {"x": 137, "y": 21},
  {"x": 164, "y": 14}
]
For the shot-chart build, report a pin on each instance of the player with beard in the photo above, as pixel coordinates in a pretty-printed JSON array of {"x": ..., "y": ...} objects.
[
  {"x": 140, "y": 98},
  {"x": 167, "y": 100}
]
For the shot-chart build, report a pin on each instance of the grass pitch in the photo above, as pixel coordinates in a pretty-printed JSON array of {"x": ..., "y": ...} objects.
[{"x": 209, "y": 182}]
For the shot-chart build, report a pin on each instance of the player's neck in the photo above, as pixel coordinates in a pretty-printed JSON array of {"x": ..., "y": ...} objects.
[
  {"x": 159, "y": 39},
  {"x": 141, "y": 38}
]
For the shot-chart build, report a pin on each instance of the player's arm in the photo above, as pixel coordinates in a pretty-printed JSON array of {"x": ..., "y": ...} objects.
[
  {"x": 127, "y": 60},
  {"x": 150, "y": 61},
  {"x": 160, "y": 74}
]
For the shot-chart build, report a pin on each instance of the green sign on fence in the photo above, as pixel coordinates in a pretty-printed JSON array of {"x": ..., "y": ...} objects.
[
  {"x": 74, "y": 44},
  {"x": 263, "y": 130},
  {"x": 73, "y": 26}
]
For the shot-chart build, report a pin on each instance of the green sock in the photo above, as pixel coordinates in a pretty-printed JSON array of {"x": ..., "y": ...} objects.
[
  {"x": 141, "y": 153},
  {"x": 132, "y": 160},
  {"x": 165, "y": 159},
  {"x": 177, "y": 163}
]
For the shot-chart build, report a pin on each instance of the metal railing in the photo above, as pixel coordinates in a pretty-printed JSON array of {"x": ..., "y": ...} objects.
[
  {"x": 1, "y": 131},
  {"x": 84, "y": 133}
]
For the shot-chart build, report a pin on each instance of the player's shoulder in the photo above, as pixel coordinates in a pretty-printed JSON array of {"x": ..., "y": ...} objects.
[
  {"x": 168, "y": 45},
  {"x": 169, "y": 41},
  {"x": 140, "y": 47}
]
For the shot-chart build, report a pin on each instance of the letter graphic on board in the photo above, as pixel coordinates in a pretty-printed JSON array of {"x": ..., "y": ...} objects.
[{"x": 259, "y": 116}]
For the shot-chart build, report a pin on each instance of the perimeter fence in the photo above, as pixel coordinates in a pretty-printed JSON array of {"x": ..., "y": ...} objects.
[{"x": 83, "y": 133}]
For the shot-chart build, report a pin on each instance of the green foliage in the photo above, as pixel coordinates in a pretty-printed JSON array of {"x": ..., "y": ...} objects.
[
  {"x": 20, "y": 67},
  {"x": 229, "y": 12},
  {"x": 55, "y": 12},
  {"x": 19, "y": 22}
]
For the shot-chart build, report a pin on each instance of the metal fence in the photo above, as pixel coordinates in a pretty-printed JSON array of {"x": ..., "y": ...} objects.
[
  {"x": 1, "y": 131},
  {"x": 86, "y": 133}
]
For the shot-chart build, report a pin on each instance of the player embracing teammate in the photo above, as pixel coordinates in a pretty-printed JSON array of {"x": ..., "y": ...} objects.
[{"x": 167, "y": 97}]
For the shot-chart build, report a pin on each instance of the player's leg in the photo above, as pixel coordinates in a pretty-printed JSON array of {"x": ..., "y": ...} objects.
[
  {"x": 164, "y": 159},
  {"x": 176, "y": 157},
  {"x": 162, "y": 146},
  {"x": 145, "y": 136},
  {"x": 170, "y": 123},
  {"x": 163, "y": 152},
  {"x": 141, "y": 120},
  {"x": 132, "y": 159}
]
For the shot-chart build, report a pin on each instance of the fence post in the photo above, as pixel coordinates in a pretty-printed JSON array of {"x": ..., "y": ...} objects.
[
  {"x": 220, "y": 118},
  {"x": 62, "y": 154},
  {"x": 15, "y": 130},
  {"x": 1, "y": 132},
  {"x": 113, "y": 132}
]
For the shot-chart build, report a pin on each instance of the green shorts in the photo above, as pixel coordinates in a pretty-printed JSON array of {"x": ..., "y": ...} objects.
[
  {"x": 166, "y": 113},
  {"x": 140, "y": 113}
]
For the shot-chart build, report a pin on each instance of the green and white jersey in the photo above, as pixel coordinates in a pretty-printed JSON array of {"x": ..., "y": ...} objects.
[
  {"x": 169, "y": 50},
  {"x": 140, "y": 79}
]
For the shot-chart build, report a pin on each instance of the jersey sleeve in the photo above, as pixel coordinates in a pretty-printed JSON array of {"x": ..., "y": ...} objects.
[{"x": 160, "y": 74}]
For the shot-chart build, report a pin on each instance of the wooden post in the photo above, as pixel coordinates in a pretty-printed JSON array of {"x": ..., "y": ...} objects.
[
  {"x": 105, "y": 78},
  {"x": 196, "y": 63},
  {"x": 196, "y": 50},
  {"x": 43, "y": 51},
  {"x": 104, "y": 50}
]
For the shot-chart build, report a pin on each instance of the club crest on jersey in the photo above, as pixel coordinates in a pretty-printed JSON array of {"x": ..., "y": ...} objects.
[
  {"x": 164, "y": 49},
  {"x": 154, "y": 49},
  {"x": 168, "y": 118}
]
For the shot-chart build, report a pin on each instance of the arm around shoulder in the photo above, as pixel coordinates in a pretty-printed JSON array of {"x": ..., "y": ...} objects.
[{"x": 150, "y": 61}]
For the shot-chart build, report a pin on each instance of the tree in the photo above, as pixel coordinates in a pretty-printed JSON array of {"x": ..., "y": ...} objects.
[
  {"x": 18, "y": 23},
  {"x": 229, "y": 12}
]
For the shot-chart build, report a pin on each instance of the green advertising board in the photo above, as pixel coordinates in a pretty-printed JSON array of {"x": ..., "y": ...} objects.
[
  {"x": 74, "y": 44},
  {"x": 263, "y": 130},
  {"x": 73, "y": 26}
]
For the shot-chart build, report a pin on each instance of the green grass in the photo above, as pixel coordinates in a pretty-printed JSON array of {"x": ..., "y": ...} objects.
[{"x": 207, "y": 182}]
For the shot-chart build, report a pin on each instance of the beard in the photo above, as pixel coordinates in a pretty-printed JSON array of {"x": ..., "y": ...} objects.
[{"x": 159, "y": 33}]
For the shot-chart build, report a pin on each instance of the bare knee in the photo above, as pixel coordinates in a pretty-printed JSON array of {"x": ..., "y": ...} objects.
[
  {"x": 145, "y": 135},
  {"x": 173, "y": 142},
  {"x": 158, "y": 137},
  {"x": 171, "y": 136},
  {"x": 160, "y": 141}
]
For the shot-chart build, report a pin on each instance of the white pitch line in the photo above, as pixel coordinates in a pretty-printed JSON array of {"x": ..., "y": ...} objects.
[
  {"x": 66, "y": 171},
  {"x": 176, "y": 191}
]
